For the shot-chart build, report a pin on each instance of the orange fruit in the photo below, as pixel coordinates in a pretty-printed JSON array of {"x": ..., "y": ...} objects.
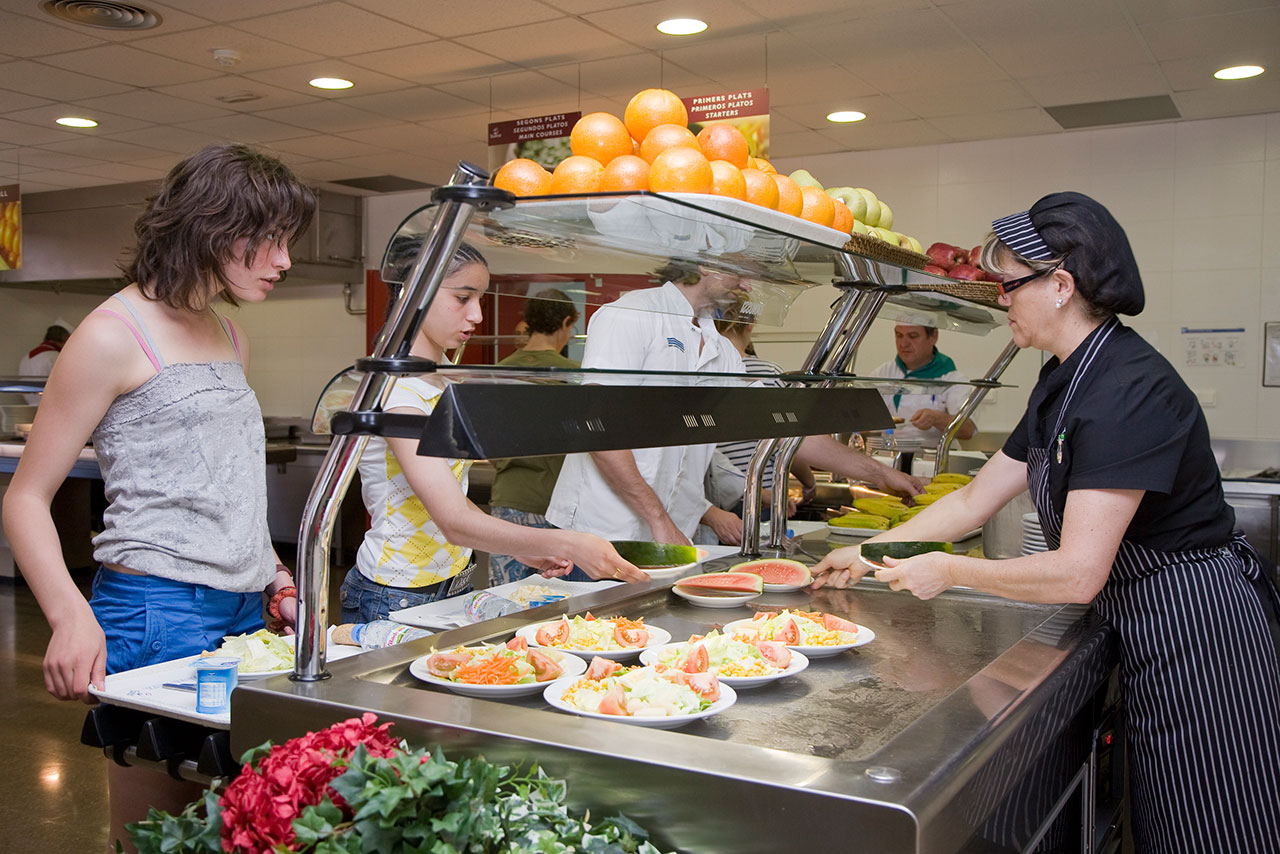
[
  {"x": 602, "y": 136},
  {"x": 577, "y": 174},
  {"x": 649, "y": 108},
  {"x": 680, "y": 169},
  {"x": 666, "y": 136},
  {"x": 724, "y": 142},
  {"x": 843, "y": 220},
  {"x": 627, "y": 172},
  {"x": 727, "y": 180},
  {"x": 523, "y": 177},
  {"x": 761, "y": 190},
  {"x": 762, "y": 164},
  {"x": 817, "y": 206},
  {"x": 789, "y": 199}
]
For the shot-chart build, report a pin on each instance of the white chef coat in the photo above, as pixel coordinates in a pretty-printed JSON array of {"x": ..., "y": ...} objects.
[
  {"x": 949, "y": 398},
  {"x": 646, "y": 330},
  {"x": 37, "y": 366}
]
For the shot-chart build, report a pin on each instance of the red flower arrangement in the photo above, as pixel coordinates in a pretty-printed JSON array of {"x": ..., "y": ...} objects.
[{"x": 259, "y": 806}]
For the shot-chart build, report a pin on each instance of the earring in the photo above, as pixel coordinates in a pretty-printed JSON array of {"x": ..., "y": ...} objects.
[{"x": 1059, "y": 304}]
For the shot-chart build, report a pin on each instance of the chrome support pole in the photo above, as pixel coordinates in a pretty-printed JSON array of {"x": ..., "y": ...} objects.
[
  {"x": 970, "y": 404},
  {"x": 339, "y": 466}
]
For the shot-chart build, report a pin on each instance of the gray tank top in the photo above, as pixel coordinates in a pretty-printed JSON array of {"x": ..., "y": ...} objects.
[{"x": 183, "y": 459}]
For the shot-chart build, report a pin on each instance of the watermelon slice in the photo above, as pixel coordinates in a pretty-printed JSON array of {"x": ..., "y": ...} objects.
[
  {"x": 777, "y": 571},
  {"x": 644, "y": 554},
  {"x": 730, "y": 582}
]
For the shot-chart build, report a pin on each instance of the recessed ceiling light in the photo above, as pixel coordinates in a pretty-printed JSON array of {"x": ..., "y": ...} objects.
[
  {"x": 76, "y": 122},
  {"x": 331, "y": 83},
  {"x": 682, "y": 26},
  {"x": 846, "y": 116},
  {"x": 1238, "y": 72}
]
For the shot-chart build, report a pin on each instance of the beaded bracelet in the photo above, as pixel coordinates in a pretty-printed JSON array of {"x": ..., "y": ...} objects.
[{"x": 273, "y": 607}]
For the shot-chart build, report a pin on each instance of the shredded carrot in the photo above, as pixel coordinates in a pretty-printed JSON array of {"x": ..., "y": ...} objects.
[
  {"x": 488, "y": 670},
  {"x": 625, "y": 623}
]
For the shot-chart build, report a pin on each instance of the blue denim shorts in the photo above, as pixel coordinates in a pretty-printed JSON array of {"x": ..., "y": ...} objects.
[
  {"x": 364, "y": 600},
  {"x": 148, "y": 619}
]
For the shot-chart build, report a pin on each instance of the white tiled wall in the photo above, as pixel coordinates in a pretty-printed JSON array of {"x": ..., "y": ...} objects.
[{"x": 1199, "y": 200}]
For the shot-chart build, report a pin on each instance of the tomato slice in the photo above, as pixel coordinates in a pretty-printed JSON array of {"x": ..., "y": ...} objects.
[
  {"x": 705, "y": 685},
  {"x": 442, "y": 664},
  {"x": 545, "y": 667},
  {"x": 695, "y": 660},
  {"x": 601, "y": 667},
  {"x": 553, "y": 634},
  {"x": 630, "y": 638},
  {"x": 614, "y": 702},
  {"x": 775, "y": 653},
  {"x": 788, "y": 633},
  {"x": 832, "y": 623},
  {"x": 518, "y": 643}
]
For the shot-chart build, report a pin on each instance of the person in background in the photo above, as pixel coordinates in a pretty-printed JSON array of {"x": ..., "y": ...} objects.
[
  {"x": 157, "y": 379},
  {"x": 1115, "y": 450},
  {"x": 39, "y": 362},
  {"x": 925, "y": 414},
  {"x": 522, "y": 486},
  {"x": 659, "y": 494},
  {"x": 423, "y": 529},
  {"x": 726, "y": 484}
]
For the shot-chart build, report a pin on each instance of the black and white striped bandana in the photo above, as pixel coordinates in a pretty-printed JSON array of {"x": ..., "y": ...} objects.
[{"x": 1020, "y": 235}]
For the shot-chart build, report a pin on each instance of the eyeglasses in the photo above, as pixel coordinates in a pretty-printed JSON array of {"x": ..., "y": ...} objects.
[{"x": 1010, "y": 285}]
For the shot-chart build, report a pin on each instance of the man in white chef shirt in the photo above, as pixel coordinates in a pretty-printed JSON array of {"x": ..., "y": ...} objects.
[
  {"x": 658, "y": 494},
  {"x": 925, "y": 414},
  {"x": 39, "y": 362}
]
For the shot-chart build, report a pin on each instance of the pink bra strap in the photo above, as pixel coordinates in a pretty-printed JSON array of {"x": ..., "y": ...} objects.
[
  {"x": 155, "y": 363},
  {"x": 230, "y": 331}
]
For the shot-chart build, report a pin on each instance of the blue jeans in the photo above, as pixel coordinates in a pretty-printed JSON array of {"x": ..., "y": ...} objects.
[
  {"x": 148, "y": 619},
  {"x": 364, "y": 600},
  {"x": 505, "y": 568}
]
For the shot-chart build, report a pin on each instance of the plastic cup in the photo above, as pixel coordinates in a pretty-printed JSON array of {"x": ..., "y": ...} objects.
[{"x": 215, "y": 680}]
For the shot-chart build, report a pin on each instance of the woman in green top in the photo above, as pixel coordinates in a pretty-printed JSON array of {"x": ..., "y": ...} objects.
[{"x": 522, "y": 486}]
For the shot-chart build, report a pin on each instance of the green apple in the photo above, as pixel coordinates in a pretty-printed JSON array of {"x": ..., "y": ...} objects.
[
  {"x": 887, "y": 235},
  {"x": 914, "y": 245},
  {"x": 804, "y": 179},
  {"x": 886, "y": 216},
  {"x": 860, "y": 227},
  {"x": 873, "y": 206},
  {"x": 853, "y": 200}
]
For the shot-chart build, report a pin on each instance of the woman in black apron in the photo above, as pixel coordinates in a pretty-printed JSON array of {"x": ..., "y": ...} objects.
[{"x": 1115, "y": 450}]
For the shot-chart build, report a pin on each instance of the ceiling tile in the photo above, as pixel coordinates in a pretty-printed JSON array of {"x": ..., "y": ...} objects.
[
  {"x": 433, "y": 62},
  {"x": 515, "y": 91},
  {"x": 232, "y": 10},
  {"x": 171, "y": 20},
  {"x": 956, "y": 99},
  {"x": 244, "y": 128},
  {"x": 476, "y": 16},
  {"x": 149, "y": 105},
  {"x": 330, "y": 116},
  {"x": 741, "y": 54},
  {"x": 408, "y": 137},
  {"x": 474, "y": 127},
  {"x": 1107, "y": 49},
  {"x": 257, "y": 52},
  {"x": 1212, "y": 101},
  {"x": 637, "y": 23},
  {"x": 123, "y": 172},
  {"x": 296, "y": 78},
  {"x": 124, "y": 64},
  {"x": 101, "y": 148},
  {"x": 880, "y": 109},
  {"x": 1231, "y": 36},
  {"x": 907, "y": 71},
  {"x": 802, "y": 144},
  {"x": 864, "y": 136},
  {"x": 991, "y": 23},
  {"x": 828, "y": 88},
  {"x": 344, "y": 29},
  {"x": 616, "y": 76},
  {"x": 209, "y": 91},
  {"x": 175, "y": 140},
  {"x": 11, "y": 101},
  {"x": 1087, "y": 86},
  {"x": 326, "y": 147},
  {"x": 411, "y": 105},
  {"x": 45, "y": 81},
  {"x": 21, "y": 133},
  {"x": 27, "y": 36},
  {"x": 1024, "y": 122},
  {"x": 41, "y": 181},
  {"x": 47, "y": 115},
  {"x": 36, "y": 158},
  {"x": 548, "y": 43},
  {"x": 1149, "y": 11}
]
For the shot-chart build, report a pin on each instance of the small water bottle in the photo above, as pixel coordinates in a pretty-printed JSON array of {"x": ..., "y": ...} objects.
[
  {"x": 380, "y": 633},
  {"x": 483, "y": 605}
]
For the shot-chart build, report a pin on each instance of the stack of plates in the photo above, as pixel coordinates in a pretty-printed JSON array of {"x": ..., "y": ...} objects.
[{"x": 1032, "y": 536}]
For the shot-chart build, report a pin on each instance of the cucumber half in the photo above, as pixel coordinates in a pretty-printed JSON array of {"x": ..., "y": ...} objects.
[{"x": 877, "y": 552}]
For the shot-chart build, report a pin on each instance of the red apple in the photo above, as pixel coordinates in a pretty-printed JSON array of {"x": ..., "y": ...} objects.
[
  {"x": 945, "y": 255},
  {"x": 975, "y": 255},
  {"x": 935, "y": 269},
  {"x": 988, "y": 276},
  {"x": 966, "y": 271}
]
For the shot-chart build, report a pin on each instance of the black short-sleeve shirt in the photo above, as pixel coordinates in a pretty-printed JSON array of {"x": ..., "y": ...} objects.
[{"x": 1132, "y": 423}]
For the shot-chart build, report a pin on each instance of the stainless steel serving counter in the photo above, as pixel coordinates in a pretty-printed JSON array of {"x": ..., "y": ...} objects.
[{"x": 957, "y": 729}]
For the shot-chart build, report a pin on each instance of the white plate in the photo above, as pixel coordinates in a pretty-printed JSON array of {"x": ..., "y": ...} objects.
[
  {"x": 555, "y": 692},
  {"x": 657, "y": 637},
  {"x": 715, "y": 598},
  {"x": 787, "y": 588},
  {"x": 665, "y": 573},
  {"x": 864, "y": 637},
  {"x": 853, "y": 532},
  {"x": 572, "y": 664},
  {"x": 798, "y": 662}
]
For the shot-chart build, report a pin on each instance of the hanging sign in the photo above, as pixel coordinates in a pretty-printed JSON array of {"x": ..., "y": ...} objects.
[
  {"x": 543, "y": 139},
  {"x": 10, "y": 227},
  {"x": 747, "y": 110}
]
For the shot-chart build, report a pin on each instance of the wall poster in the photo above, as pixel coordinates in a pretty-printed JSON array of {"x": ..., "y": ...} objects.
[
  {"x": 1271, "y": 354},
  {"x": 10, "y": 227}
]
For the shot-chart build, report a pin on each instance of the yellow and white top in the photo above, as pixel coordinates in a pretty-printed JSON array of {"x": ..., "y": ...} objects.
[{"x": 403, "y": 546}]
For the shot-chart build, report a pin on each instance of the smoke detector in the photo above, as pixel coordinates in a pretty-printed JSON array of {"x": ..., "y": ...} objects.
[
  {"x": 226, "y": 57},
  {"x": 102, "y": 14}
]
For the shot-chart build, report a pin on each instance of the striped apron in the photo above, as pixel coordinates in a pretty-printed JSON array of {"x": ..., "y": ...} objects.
[{"x": 1200, "y": 675}]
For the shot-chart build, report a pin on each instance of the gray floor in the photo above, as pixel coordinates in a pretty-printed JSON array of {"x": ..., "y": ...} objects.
[{"x": 53, "y": 789}]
